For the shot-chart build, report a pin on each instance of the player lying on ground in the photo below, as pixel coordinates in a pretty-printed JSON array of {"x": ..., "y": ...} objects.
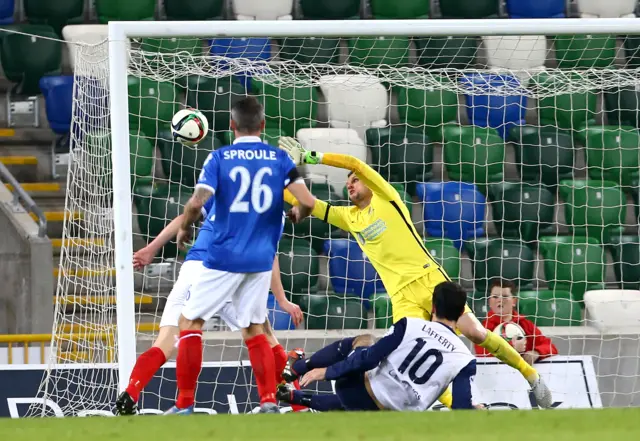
[
  {"x": 247, "y": 181},
  {"x": 151, "y": 360},
  {"x": 382, "y": 226},
  {"x": 407, "y": 369}
]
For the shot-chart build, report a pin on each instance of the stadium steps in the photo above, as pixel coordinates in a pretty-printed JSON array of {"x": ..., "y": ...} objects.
[{"x": 81, "y": 328}]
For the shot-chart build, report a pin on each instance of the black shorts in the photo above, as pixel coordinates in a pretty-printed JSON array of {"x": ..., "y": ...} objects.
[{"x": 353, "y": 394}]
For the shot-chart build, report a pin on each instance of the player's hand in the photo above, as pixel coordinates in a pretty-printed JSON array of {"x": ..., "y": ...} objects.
[
  {"x": 183, "y": 237},
  {"x": 313, "y": 375},
  {"x": 293, "y": 310},
  {"x": 297, "y": 153},
  {"x": 295, "y": 215},
  {"x": 531, "y": 357},
  {"x": 519, "y": 344},
  {"x": 143, "y": 257}
]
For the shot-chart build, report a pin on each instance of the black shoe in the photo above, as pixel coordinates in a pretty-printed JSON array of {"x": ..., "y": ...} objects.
[
  {"x": 289, "y": 375},
  {"x": 125, "y": 405},
  {"x": 284, "y": 393}
]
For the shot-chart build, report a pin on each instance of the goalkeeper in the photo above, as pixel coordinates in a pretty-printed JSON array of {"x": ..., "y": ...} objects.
[{"x": 382, "y": 226}]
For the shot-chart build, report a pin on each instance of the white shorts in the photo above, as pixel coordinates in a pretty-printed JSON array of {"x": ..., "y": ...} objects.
[
  {"x": 240, "y": 299},
  {"x": 189, "y": 272}
]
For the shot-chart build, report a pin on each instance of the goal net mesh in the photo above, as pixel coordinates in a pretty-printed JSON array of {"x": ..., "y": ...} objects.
[{"x": 517, "y": 157}]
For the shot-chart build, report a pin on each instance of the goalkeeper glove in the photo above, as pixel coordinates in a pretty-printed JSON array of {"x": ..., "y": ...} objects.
[{"x": 297, "y": 153}]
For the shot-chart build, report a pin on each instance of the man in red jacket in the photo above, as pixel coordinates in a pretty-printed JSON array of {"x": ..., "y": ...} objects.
[{"x": 502, "y": 304}]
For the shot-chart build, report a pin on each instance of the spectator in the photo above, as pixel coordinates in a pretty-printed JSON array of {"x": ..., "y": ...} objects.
[{"x": 502, "y": 309}]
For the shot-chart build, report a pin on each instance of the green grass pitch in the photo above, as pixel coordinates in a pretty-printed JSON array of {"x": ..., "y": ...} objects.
[{"x": 556, "y": 425}]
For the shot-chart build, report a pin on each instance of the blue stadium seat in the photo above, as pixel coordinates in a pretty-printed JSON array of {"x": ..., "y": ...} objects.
[
  {"x": 240, "y": 47},
  {"x": 454, "y": 210},
  {"x": 6, "y": 11},
  {"x": 495, "y": 111},
  {"x": 280, "y": 320},
  {"x": 350, "y": 271},
  {"x": 58, "y": 96},
  {"x": 536, "y": 8}
]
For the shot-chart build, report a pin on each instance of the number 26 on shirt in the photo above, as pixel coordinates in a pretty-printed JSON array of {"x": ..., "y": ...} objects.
[{"x": 261, "y": 196}]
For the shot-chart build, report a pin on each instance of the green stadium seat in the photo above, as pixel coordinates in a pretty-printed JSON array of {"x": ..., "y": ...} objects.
[
  {"x": 379, "y": 51},
  {"x": 311, "y": 50},
  {"x": 270, "y": 136},
  {"x": 446, "y": 52},
  {"x": 447, "y": 255},
  {"x": 428, "y": 108},
  {"x": 160, "y": 51},
  {"x": 612, "y": 153},
  {"x": 330, "y": 9},
  {"x": 507, "y": 258},
  {"x": 214, "y": 98},
  {"x": 632, "y": 51},
  {"x": 332, "y": 312},
  {"x": 550, "y": 308},
  {"x": 26, "y": 58},
  {"x": 567, "y": 111},
  {"x": 382, "y": 310},
  {"x": 193, "y": 9},
  {"x": 299, "y": 267},
  {"x": 124, "y": 10},
  {"x": 473, "y": 154},
  {"x": 288, "y": 108},
  {"x": 182, "y": 163},
  {"x": 56, "y": 14},
  {"x": 622, "y": 106},
  {"x": 544, "y": 154},
  {"x": 625, "y": 251},
  {"x": 522, "y": 210},
  {"x": 593, "y": 208},
  {"x": 394, "y": 10},
  {"x": 152, "y": 104},
  {"x": 573, "y": 263},
  {"x": 585, "y": 51},
  {"x": 478, "y": 301},
  {"x": 469, "y": 8}
]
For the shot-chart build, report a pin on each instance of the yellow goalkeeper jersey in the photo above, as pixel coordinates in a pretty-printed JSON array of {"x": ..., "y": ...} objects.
[{"x": 383, "y": 230}]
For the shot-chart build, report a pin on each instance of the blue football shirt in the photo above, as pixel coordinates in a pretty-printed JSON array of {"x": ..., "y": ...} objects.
[{"x": 247, "y": 180}]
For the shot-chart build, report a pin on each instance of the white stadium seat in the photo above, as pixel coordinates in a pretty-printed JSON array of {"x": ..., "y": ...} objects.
[
  {"x": 606, "y": 8},
  {"x": 355, "y": 102},
  {"x": 88, "y": 35},
  {"x": 609, "y": 309},
  {"x": 263, "y": 9},
  {"x": 522, "y": 53},
  {"x": 332, "y": 141}
]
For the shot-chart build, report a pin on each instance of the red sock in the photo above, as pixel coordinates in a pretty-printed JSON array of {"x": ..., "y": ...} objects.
[
  {"x": 188, "y": 365},
  {"x": 264, "y": 367},
  {"x": 145, "y": 368},
  {"x": 280, "y": 356}
]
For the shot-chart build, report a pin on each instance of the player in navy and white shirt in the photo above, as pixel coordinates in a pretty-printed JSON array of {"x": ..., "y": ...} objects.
[
  {"x": 247, "y": 181},
  {"x": 407, "y": 369}
]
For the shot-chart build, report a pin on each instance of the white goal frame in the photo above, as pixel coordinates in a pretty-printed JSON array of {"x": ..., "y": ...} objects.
[{"x": 120, "y": 32}]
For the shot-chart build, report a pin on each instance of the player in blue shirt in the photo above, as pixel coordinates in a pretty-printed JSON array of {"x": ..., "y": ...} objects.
[{"x": 247, "y": 181}]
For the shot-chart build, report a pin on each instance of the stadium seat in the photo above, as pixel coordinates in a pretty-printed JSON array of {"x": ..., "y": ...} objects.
[
  {"x": 593, "y": 208},
  {"x": 521, "y": 210},
  {"x": 142, "y": 155},
  {"x": 382, "y": 311},
  {"x": 632, "y": 51},
  {"x": 473, "y": 154},
  {"x": 270, "y": 136},
  {"x": 469, "y": 8},
  {"x": 124, "y": 10},
  {"x": 550, "y": 308},
  {"x": 386, "y": 10},
  {"x": 280, "y": 320},
  {"x": 500, "y": 112},
  {"x": 379, "y": 51},
  {"x": 350, "y": 270},
  {"x": 446, "y": 254},
  {"x": 536, "y": 8},
  {"x": 516, "y": 52},
  {"x": 355, "y": 101},
  {"x": 91, "y": 107},
  {"x": 333, "y": 141},
  {"x": 507, "y": 258},
  {"x": 170, "y": 46},
  {"x": 193, "y": 9},
  {"x": 152, "y": 104},
  {"x": 625, "y": 251},
  {"x": 58, "y": 96},
  {"x": 288, "y": 107},
  {"x": 182, "y": 163},
  {"x": 55, "y": 14},
  {"x": 214, "y": 97},
  {"x": 446, "y": 52},
  {"x": 567, "y": 111},
  {"x": 27, "y": 58},
  {"x": 622, "y": 106},
  {"x": 255, "y": 49},
  {"x": 7, "y": 7},
  {"x": 544, "y": 154},
  {"x": 612, "y": 153},
  {"x": 608, "y": 309},
  {"x": 333, "y": 312},
  {"x": 585, "y": 51},
  {"x": 572, "y": 263},
  {"x": 428, "y": 108},
  {"x": 330, "y": 9},
  {"x": 310, "y": 50},
  {"x": 479, "y": 304},
  {"x": 299, "y": 267},
  {"x": 609, "y": 9},
  {"x": 454, "y": 210},
  {"x": 163, "y": 206},
  {"x": 261, "y": 10}
]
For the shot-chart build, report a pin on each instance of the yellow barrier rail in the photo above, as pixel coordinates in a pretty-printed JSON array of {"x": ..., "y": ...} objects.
[{"x": 26, "y": 341}]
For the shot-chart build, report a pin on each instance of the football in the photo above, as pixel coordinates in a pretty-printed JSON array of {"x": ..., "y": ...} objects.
[
  {"x": 189, "y": 126},
  {"x": 509, "y": 331}
]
